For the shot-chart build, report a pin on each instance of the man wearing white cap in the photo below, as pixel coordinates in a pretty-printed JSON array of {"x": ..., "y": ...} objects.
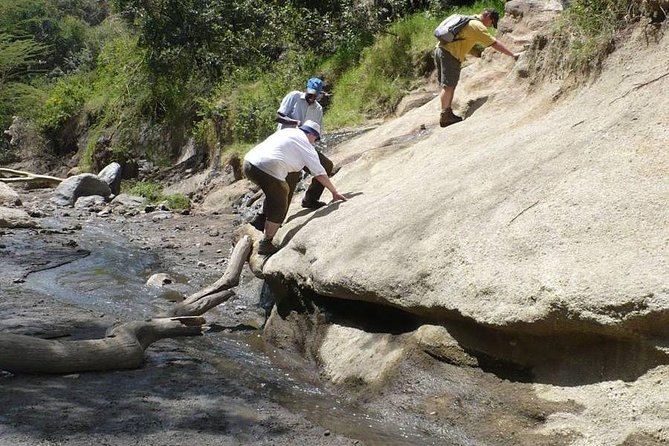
[{"x": 270, "y": 162}]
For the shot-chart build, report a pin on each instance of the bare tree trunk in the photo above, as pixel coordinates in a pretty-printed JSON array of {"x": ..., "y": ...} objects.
[
  {"x": 122, "y": 348},
  {"x": 207, "y": 298}
]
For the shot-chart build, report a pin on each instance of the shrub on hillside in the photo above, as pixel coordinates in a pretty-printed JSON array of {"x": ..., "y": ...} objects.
[{"x": 586, "y": 34}]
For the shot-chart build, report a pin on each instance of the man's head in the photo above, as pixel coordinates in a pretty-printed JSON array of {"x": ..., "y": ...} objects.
[
  {"x": 314, "y": 90},
  {"x": 312, "y": 130},
  {"x": 490, "y": 17}
]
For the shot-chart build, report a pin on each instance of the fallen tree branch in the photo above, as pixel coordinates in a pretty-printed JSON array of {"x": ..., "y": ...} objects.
[
  {"x": 207, "y": 298},
  {"x": 20, "y": 176},
  {"x": 253, "y": 198},
  {"x": 122, "y": 348}
]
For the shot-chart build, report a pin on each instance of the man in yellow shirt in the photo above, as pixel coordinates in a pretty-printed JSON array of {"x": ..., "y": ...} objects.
[{"x": 448, "y": 58}]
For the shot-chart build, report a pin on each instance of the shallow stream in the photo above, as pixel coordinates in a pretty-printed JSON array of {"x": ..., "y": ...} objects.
[{"x": 111, "y": 281}]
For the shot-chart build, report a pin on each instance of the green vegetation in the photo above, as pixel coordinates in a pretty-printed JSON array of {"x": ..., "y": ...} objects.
[
  {"x": 177, "y": 202},
  {"x": 153, "y": 193},
  {"x": 123, "y": 79},
  {"x": 586, "y": 34},
  {"x": 379, "y": 75}
]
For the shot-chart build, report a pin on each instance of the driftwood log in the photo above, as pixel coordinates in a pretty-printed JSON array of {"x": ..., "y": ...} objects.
[
  {"x": 207, "y": 298},
  {"x": 19, "y": 176},
  {"x": 123, "y": 347}
]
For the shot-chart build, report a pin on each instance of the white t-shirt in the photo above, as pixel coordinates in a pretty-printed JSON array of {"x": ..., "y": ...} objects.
[
  {"x": 295, "y": 106},
  {"x": 285, "y": 151}
]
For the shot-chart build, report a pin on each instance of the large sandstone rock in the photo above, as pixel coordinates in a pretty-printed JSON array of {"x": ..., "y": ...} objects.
[
  {"x": 533, "y": 214},
  {"x": 352, "y": 355},
  {"x": 83, "y": 185},
  {"x": 225, "y": 198}
]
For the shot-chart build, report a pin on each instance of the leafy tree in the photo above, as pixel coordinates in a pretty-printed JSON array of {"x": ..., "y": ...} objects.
[{"x": 209, "y": 36}]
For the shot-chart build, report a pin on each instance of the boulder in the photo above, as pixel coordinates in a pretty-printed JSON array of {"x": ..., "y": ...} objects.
[
  {"x": 550, "y": 220},
  {"x": 438, "y": 343},
  {"x": 128, "y": 201},
  {"x": 94, "y": 203},
  {"x": 350, "y": 355},
  {"x": 111, "y": 175},
  {"x": 226, "y": 198},
  {"x": 15, "y": 218},
  {"x": 159, "y": 280},
  {"x": 8, "y": 196},
  {"x": 70, "y": 189}
]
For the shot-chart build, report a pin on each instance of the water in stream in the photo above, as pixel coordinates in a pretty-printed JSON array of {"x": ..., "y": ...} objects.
[{"x": 111, "y": 280}]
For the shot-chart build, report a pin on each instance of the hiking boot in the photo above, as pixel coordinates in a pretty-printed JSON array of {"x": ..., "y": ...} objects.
[
  {"x": 447, "y": 118},
  {"x": 313, "y": 204},
  {"x": 258, "y": 222},
  {"x": 266, "y": 247}
]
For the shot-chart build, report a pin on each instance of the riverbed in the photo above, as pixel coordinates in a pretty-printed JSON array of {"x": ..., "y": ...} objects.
[{"x": 80, "y": 274}]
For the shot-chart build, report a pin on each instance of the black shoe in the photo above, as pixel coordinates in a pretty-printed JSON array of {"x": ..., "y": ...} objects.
[
  {"x": 447, "y": 118},
  {"x": 313, "y": 204},
  {"x": 258, "y": 222},
  {"x": 266, "y": 247}
]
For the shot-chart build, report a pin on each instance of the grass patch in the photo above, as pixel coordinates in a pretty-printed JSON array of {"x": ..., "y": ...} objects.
[
  {"x": 238, "y": 149},
  {"x": 582, "y": 38},
  {"x": 177, "y": 201},
  {"x": 153, "y": 193}
]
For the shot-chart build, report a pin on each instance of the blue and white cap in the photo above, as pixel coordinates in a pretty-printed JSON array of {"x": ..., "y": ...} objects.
[{"x": 314, "y": 86}]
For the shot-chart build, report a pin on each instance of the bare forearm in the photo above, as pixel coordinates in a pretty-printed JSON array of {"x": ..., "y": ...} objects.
[
  {"x": 325, "y": 181},
  {"x": 499, "y": 46},
  {"x": 285, "y": 120}
]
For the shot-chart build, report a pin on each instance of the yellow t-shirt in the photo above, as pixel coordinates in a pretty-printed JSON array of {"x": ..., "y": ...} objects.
[{"x": 475, "y": 32}]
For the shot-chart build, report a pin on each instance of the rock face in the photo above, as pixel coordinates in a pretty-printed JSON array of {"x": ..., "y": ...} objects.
[
  {"x": 532, "y": 216},
  {"x": 83, "y": 185},
  {"x": 224, "y": 199},
  {"x": 94, "y": 203}
]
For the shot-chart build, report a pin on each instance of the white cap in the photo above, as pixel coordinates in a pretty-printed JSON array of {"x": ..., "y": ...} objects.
[{"x": 312, "y": 127}]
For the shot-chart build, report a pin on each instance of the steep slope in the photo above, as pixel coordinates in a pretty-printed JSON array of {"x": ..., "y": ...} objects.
[{"x": 544, "y": 211}]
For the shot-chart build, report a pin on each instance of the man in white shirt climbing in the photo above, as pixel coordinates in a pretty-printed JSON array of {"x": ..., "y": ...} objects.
[{"x": 268, "y": 165}]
